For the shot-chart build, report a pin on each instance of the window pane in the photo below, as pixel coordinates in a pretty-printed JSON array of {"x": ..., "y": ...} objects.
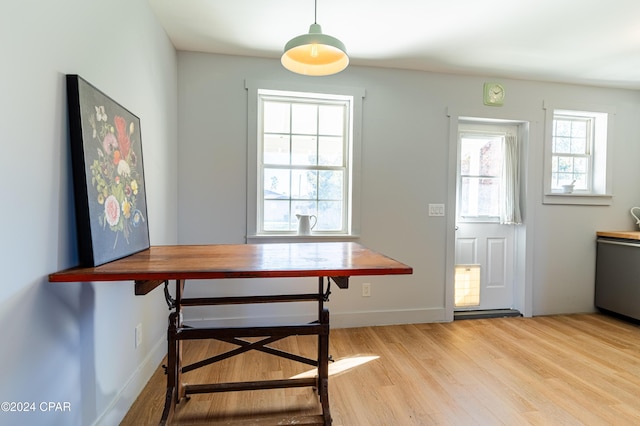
[
  {"x": 304, "y": 119},
  {"x": 491, "y": 158},
  {"x": 329, "y": 216},
  {"x": 331, "y": 120},
  {"x": 481, "y": 156},
  {"x": 581, "y": 181},
  {"x": 304, "y": 184},
  {"x": 303, "y": 207},
  {"x": 276, "y": 117},
  {"x": 564, "y": 178},
  {"x": 579, "y": 129},
  {"x": 480, "y": 197},
  {"x": 561, "y": 145},
  {"x": 276, "y": 215},
  {"x": 276, "y": 183},
  {"x": 580, "y": 165},
  {"x": 563, "y": 128},
  {"x": 276, "y": 149},
  {"x": 331, "y": 182},
  {"x": 303, "y": 150},
  {"x": 565, "y": 164},
  {"x": 579, "y": 146},
  {"x": 331, "y": 151}
]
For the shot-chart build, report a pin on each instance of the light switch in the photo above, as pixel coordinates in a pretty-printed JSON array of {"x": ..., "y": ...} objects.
[{"x": 436, "y": 209}]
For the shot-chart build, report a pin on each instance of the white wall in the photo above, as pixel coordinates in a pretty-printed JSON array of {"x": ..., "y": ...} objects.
[
  {"x": 404, "y": 168},
  {"x": 75, "y": 342}
]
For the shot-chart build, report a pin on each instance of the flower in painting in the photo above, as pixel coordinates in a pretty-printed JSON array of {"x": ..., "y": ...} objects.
[
  {"x": 137, "y": 218},
  {"x": 109, "y": 143},
  {"x": 123, "y": 136},
  {"x": 134, "y": 187},
  {"x": 101, "y": 115},
  {"x": 123, "y": 168},
  {"x": 112, "y": 210},
  {"x": 126, "y": 209}
]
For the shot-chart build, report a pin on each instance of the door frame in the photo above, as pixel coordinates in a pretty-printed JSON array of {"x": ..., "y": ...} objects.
[{"x": 523, "y": 246}]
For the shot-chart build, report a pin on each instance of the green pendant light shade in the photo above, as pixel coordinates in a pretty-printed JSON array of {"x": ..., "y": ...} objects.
[{"x": 315, "y": 53}]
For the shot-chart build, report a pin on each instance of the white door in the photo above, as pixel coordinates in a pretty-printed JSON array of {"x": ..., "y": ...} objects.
[
  {"x": 489, "y": 247},
  {"x": 484, "y": 253}
]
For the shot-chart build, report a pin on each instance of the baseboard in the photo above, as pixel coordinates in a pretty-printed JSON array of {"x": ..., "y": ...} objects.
[
  {"x": 124, "y": 399},
  {"x": 387, "y": 317}
]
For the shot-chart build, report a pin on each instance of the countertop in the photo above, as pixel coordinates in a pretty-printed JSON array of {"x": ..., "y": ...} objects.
[{"x": 627, "y": 235}]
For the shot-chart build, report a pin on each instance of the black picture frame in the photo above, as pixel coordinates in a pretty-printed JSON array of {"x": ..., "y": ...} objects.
[{"x": 108, "y": 175}]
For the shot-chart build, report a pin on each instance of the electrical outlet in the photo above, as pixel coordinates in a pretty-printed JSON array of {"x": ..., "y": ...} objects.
[
  {"x": 436, "y": 209},
  {"x": 366, "y": 290},
  {"x": 138, "y": 333}
]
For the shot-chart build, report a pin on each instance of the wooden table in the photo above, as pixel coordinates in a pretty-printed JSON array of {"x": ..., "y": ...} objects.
[{"x": 157, "y": 265}]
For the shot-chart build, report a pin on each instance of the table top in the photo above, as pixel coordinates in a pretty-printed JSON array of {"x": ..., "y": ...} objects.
[{"x": 330, "y": 259}]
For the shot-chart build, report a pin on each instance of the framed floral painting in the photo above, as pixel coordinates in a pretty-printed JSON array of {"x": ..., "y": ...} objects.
[{"x": 108, "y": 175}]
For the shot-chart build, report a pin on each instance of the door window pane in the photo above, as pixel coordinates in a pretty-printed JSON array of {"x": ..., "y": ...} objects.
[
  {"x": 480, "y": 197},
  {"x": 481, "y": 164}
]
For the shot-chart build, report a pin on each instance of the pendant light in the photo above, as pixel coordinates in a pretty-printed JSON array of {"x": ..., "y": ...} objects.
[{"x": 315, "y": 53}]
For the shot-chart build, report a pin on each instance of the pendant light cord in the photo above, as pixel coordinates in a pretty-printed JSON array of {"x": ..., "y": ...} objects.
[{"x": 315, "y": 13}]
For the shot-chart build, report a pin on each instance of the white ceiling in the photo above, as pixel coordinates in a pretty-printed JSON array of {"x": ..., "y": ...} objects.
[{"x": 595, "y": 42}]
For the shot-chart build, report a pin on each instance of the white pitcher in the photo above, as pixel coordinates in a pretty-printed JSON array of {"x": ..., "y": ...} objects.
[
  {"x": 634, "y": 215},
  {"x": 304, "y": 223}
]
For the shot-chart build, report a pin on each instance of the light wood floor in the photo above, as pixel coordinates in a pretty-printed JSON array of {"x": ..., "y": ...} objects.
[{"x": 552, "y": 370}]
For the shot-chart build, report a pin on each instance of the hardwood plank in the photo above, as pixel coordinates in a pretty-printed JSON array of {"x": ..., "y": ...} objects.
[{"x": 569, "y": 369}]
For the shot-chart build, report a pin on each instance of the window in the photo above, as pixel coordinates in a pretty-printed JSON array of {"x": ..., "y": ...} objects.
[
  {"x": 302, "y": 161},
  {"x": 572, "y": 145},
  {"x": 488, "y": 186},
  {"x": 576, "y": 153},
  {"x": 481, "y": 160}
]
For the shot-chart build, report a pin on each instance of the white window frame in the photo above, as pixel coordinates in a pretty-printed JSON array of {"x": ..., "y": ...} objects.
[
  {"x": 599, "y": 191},
  {"x": 256, "y": 89},
  {"x": 590, "y": 120}
]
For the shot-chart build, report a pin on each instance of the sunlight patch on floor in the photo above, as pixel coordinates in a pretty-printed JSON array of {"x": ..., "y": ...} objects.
[{"x": 339, "y": 366}]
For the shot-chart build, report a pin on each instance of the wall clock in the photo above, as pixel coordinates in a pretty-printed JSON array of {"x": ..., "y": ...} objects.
[{"x": 493, "y": 94}]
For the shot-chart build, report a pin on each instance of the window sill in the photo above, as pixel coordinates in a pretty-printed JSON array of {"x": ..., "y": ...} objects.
[
  {"x": 294, "y": 238},
  {"x": 578, "y": 198}
]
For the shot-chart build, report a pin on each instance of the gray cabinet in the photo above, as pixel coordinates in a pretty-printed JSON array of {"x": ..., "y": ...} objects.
[{"x": 618, "y": 276}]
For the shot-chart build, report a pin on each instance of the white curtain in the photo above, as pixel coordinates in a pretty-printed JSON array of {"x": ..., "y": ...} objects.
[{"x": 510, "y": 211}]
